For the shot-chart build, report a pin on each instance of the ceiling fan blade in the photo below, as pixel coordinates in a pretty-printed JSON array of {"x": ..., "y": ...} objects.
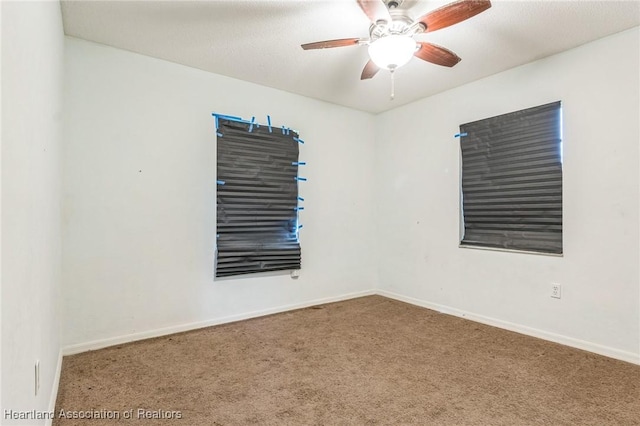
[
  {"x": 369, "y": 70},
  {"x": 453, "y": 13},
  {"x": 331, "y": 43},
  {"x": 375, "y": 10},
  {"x": 436, "y": 55}
]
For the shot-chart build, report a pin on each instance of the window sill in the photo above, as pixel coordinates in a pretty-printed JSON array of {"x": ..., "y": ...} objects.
[
  {"x": 256, "y": 275},
  {"x": 464, "y": 246}
]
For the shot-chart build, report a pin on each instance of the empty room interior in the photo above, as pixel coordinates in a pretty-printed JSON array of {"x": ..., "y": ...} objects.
[{"x": 320, "y": 212}]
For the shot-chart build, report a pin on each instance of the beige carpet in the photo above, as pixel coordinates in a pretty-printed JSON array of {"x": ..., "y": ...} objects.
[{"x": 364, "y": 361}]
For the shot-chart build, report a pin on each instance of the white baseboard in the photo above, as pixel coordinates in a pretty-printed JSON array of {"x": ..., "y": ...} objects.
[
  {"x": 54, "y": 388},
  {"x": 529, "y": 331},
  {"x": 557, "y": 338},
  {"x": 103, "y": 343}
]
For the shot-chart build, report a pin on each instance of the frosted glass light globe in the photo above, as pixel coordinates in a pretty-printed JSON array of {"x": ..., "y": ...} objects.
[{"x": 392, "y": 51}]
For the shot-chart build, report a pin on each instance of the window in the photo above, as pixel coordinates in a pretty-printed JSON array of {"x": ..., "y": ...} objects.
[
  {"x": 512, "y": 180},
  {"x": 257, "y": 198}
]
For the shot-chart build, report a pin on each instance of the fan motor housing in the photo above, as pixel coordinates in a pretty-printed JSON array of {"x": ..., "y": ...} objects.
[
  {"x": 392, "y": 4},
  {"x": 401, "y": 23}
]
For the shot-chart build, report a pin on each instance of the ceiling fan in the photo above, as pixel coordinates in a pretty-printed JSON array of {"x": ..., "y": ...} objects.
[{"x": 391, "y": 43}]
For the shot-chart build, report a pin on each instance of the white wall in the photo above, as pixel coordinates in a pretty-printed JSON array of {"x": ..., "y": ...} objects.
[
  {"x": 139, "y": 197},
  {"x": 1, "y": 405},
  {"x": 417, "y": 179},
  {"x": 32, "y": 60}
]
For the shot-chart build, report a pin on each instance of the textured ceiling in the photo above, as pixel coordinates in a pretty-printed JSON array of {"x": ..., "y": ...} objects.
[{"x": 259, "y": 41}]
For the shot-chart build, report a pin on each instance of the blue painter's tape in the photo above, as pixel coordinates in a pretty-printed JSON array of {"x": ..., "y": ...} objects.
[
  {"x": 219, "y": 134},
  {"x": 220, "y": 182},
  {"x": 457, "y": 135},
  {"x": 298, "y": 163},
  {"x": 230, "y": 118},
  {"x": 300, "y": 198},
  {"x": 300, "y": 178},
  {"x": 253, "y": 123}
]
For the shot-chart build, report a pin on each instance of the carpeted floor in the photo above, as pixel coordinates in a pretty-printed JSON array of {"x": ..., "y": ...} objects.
[{"x": 364, "y": 361}]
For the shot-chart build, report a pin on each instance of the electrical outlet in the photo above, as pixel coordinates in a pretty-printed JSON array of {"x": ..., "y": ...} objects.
[
  {"x": 37, "y": 377},
  {"x": 556, "y": 291}
]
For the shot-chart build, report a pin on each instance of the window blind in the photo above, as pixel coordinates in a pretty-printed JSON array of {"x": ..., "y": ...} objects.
[
  {"x": 257, "y": 199},
  {"x": 512, "y": 180}
]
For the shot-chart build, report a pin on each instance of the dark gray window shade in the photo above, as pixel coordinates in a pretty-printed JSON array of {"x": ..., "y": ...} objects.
[
  {"x": 257, "y": 199},
  {"x": 512, "y": 180}
]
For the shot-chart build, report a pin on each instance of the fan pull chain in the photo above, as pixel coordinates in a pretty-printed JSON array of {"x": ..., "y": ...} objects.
[{"x": 393, "y": 84}]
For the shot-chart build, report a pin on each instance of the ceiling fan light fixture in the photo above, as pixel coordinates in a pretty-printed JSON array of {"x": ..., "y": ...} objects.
[{"x": 392, "y": 51}]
